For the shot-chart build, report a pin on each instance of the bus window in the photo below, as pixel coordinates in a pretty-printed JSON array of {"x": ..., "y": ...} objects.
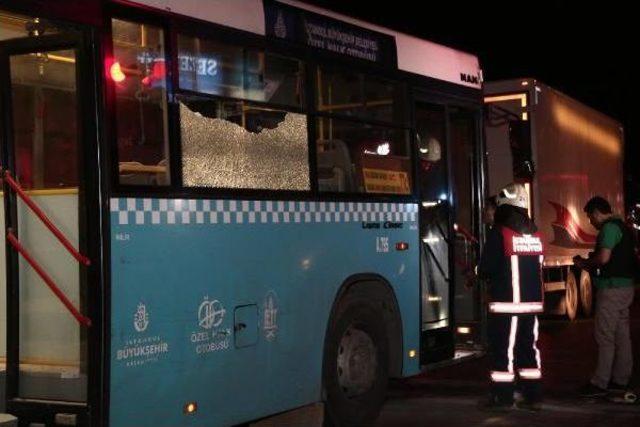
[
  {"x": 45, "y": 144},
  {"x": 432, "y": 150},
  {"x": 215, "y": 68},
  {"x": 235, "y": 144},
  {"x": 362, "y": 158},
  {"x": 359, "y": 95},
  {"x": 138, "y": 73}
]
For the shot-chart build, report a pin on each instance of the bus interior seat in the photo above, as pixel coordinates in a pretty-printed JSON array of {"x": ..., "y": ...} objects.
[{"x": 335, "y": 170}]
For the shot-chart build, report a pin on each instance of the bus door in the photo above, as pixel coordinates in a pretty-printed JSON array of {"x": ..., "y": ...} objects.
[
  {"x": 436, "y": 223},
  {"x": 48, "y": 275},
  {"x": 447, "y": 140},
  {"x": 467, "y": 186}
]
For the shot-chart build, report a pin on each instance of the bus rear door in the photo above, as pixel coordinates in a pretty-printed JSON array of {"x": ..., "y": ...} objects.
[{"x": 48, "y": 290}]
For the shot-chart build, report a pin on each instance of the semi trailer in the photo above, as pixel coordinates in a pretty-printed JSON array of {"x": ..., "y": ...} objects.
[{"x": 564, "y": 152}]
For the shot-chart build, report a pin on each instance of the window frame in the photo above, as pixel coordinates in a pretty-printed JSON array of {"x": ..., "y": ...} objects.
[
  {"x": 405, "y": 126},
  {"x": 123, "y": 13}
]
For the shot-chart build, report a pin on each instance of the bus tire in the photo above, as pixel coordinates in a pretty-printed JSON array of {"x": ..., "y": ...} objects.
[
  {"x": 355, "y": 368},
  {"x": 586, "y": 293},
  {"x": 571, "y": 298}
]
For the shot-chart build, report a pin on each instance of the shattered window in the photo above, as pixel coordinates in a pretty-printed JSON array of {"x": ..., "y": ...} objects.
[{"x": 235, "y": 144}]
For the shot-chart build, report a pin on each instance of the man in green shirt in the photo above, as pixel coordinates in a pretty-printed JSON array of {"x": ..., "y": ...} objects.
[{"x": 612, "y": 266}]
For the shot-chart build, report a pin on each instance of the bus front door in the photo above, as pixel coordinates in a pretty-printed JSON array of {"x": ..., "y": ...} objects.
[
  {"x": 48, "y": 135},
  {"x": 436, "y": 246},
  {"x": 450, "y": 192}
]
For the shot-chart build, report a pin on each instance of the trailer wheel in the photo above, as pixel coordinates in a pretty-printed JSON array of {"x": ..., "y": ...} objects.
[
  {"x": 356, "y": 370},
  {"x": 571, "y": 295},
  {"x": 586, "y": 293}
]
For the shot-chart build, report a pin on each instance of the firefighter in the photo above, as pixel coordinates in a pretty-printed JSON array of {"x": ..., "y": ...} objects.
[{"x": 511, "y": 264}]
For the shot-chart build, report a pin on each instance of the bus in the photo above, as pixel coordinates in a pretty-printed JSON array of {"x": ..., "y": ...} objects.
[{"x": 217, "y": 212}]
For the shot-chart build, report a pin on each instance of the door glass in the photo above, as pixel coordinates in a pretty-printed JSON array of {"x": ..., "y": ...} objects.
[
  {"x": 463, "y": 137},
  {"x": 434, "y": 216},
  {"x": 51, "y": 345},
  {"x": 12, "y": 27}
]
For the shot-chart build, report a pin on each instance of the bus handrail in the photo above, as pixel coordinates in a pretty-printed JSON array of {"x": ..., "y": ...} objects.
[
  {"x": 465, "y": 233},
  {"x": 15, "y": 186},
  {"x": 83, "y": 320}
]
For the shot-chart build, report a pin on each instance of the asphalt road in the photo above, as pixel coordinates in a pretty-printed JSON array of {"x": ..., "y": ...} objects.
[{"x": 448, "y": 396}]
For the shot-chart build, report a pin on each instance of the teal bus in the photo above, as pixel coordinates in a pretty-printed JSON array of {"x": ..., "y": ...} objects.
[{"x": 220, "y": 211}]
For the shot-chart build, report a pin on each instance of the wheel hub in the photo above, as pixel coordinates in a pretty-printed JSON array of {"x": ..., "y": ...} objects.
[{"x": 357, "y": 362}]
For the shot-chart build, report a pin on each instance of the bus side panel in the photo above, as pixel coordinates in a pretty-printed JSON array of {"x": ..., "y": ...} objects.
[{"x": 225, "y": 304}]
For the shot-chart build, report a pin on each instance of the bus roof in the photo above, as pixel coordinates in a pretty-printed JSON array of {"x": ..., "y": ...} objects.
[{"x": 414, "y": 55}]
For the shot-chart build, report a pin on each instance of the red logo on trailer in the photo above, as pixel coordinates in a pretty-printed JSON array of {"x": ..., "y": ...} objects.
[{"x": 567, "y": 233}]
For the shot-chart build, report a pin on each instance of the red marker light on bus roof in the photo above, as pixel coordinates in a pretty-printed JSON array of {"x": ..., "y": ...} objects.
[{"x": 116, "y": 73}]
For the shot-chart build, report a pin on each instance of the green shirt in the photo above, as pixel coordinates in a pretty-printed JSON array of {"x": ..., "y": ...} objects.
[{"x": 608, "y": 237}]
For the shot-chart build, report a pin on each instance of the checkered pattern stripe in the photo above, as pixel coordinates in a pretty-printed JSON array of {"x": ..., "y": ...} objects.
[{"x": 134, "y": 211}]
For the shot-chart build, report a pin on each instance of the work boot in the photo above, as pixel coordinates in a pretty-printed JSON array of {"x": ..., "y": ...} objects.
[
  {"x": 617, "y": 387},
  {"x": 592, "y": 390}
]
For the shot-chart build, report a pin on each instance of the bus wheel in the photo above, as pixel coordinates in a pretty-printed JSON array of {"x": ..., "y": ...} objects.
[
  {"x": 571, "y": 295},
  {"x": 586, "y": 293},
  {"x": 355, "y": 371}
]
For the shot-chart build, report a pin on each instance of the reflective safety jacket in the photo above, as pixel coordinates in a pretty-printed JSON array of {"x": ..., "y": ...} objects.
[{"x": 512, "y": 263}]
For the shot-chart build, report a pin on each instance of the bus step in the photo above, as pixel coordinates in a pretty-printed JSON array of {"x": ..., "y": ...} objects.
[
  {"x": 66, "y": 419},
  {"x": 8, "y": 420}
]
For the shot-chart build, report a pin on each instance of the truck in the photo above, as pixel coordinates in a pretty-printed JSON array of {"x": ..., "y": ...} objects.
[{"x": 564, "y": 152}]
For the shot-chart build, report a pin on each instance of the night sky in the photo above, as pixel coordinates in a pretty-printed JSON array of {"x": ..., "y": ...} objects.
[{"x": 584, "y": 50}]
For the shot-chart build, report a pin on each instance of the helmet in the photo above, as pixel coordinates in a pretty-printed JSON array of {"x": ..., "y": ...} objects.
[
  {"x": 430, "y": 149},
  {"x": 434, "y": 153},
  {"x": 513, "y": 194}
]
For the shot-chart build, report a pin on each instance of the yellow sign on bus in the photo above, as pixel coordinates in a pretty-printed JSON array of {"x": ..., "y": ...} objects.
[{"x": 386, "y": 181}]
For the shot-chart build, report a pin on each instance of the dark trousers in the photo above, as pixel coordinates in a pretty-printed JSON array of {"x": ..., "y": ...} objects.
[{"x": 514, "y": 356}]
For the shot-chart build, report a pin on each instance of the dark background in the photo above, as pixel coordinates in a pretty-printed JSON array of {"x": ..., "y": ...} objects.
[{"x": 584, "y": 50}]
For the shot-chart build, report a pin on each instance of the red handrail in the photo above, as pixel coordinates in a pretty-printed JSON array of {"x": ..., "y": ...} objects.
[
  {"x": 43, "y": 217},
  {"x": 466, "y": 233},
  {"x": 83, "y": 320}
]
